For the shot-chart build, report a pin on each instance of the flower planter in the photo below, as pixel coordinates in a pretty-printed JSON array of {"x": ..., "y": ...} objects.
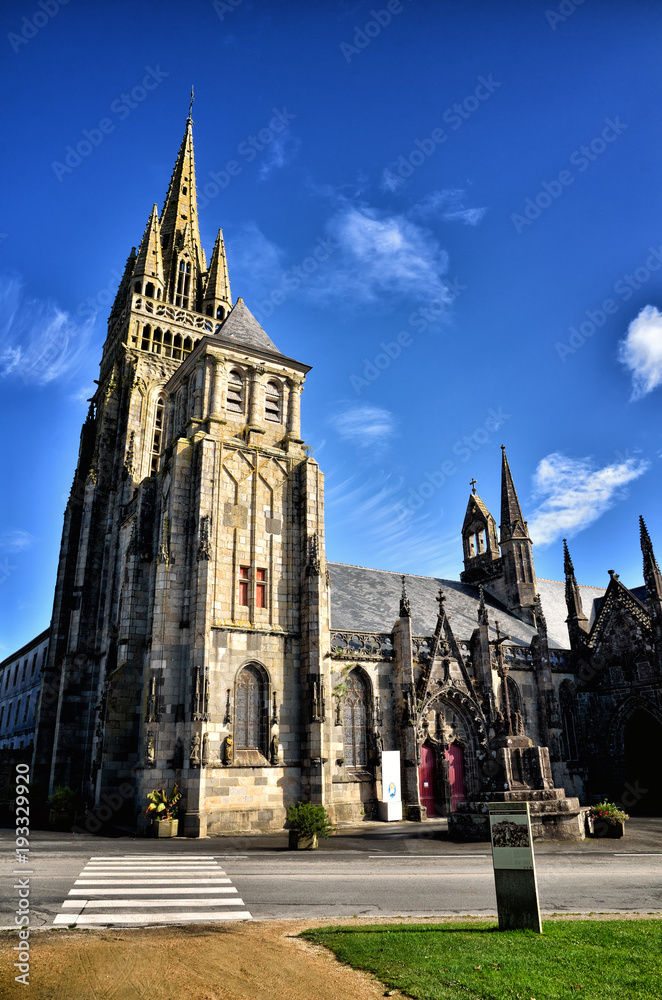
[
  {"x": 166, "y": 827},
  {"x": 614, "y": 829},
  {"x": 301, "y": 844},
  {"x": 62, "y": 821}
]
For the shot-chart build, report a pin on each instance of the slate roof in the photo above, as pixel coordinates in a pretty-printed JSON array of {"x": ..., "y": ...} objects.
[
  {"x": 242, "y": 327},
  {"x": 367, "y": 600}
]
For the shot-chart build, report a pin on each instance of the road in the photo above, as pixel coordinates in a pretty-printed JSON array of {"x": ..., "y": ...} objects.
[{"x": 90, "y": 880}]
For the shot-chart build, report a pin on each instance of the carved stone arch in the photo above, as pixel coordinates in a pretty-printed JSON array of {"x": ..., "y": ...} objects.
[
  {"x": 622, "y": 716},
  {"x": 635, "y": 740},
  {"x": 452, "y": 726}
]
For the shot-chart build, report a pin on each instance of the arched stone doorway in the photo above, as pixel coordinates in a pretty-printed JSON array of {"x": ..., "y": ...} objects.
[{"x": 642, "y": 740}]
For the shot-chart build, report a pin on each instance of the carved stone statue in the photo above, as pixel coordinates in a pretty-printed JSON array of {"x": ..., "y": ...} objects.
[
  {"x": 149, "y": 750},
  {"x": 194, "y": 756},
  {"x": 228, "y": 749},
  {"x": 275, "y": 746},
  {"x": 205, "y": 749}
]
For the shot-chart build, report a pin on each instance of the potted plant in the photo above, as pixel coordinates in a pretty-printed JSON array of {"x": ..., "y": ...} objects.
[
  {"x": 64, "y": 806},
  {"x": 606, "y": 820},
  {"x": 162, "y": 808},
  {"x": 308, "y": 822}
]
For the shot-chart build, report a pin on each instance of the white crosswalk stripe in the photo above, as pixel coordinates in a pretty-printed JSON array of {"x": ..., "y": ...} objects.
[{"x": 129, "y": 890}]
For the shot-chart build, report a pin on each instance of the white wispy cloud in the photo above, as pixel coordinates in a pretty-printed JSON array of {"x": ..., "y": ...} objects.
[
  {"x": 574, "y": 493},
  {"x": 390, "y": 181},
  {"x": 39, "y": 341},
  {"x": 394, "y": 536},
  {"x": 449, "y": 205},
  {"x": 641, "y": 351},
  {"x": 15, "y": 540},
  {"x": 379, "y": 255},
  {"x": 280, "y": 151},
  {"x": 364, "y": 425},
  {"x": 257, "y": 262}
]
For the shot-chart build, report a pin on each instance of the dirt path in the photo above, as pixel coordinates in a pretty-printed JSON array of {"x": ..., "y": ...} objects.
[
  {"x": 249, "y": 961},
  {"x": 258, "y": 960}
]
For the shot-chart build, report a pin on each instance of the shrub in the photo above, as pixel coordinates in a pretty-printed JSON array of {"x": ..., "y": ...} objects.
[
  {"x": 309, "y": 821},
  {"x": 63, "y": 800},
  {"x": 163, "y": 804},
  {"x": 608, "y": 811}
]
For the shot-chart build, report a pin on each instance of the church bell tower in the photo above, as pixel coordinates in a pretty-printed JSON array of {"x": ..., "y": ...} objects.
[{"x": 191, "y": 604}]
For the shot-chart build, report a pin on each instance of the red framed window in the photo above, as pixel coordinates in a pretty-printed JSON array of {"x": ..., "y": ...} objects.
[
  {"x": 261, "y": 588},
  {"x": 243, "y": 585}
]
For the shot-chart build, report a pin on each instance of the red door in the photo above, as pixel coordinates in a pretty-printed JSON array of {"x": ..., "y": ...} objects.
[
  {"x": 455, "y": 758},
  {"x": 426, "y": 779}
]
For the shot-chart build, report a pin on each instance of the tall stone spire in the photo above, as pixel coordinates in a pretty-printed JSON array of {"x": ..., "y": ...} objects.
[
  {"x": 519, "y": 575},
  {"x": 652, "y": 575},
  {"x": 513, "y": 524},
  {"x": 180, "y": 233},
  {"x": 576, "y": 618},
  {"x": 149, "y": 264},
  {"x": 217, "y": 299}
]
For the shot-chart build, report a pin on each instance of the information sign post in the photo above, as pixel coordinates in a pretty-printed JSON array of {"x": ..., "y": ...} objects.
[
  {"x": 514, "y": 867},
  {"x": 390, "y": 808}
]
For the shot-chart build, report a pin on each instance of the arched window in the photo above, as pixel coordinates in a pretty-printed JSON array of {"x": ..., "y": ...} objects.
[
  {"x": 235, "y": 400},
  {"x": 149, "y": 289},
  {"x": 137, "y": 288},
  {"x": 158, "y": 434},
  {"x": 183, "y": 284},
  {"x": 272, "y": 405},
  {"x": 568, "y": 721},
  {"x": 355, "y": 721},
  {"x": 250, "y": 713}
]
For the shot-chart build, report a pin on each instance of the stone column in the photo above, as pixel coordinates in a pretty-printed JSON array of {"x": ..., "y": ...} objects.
[
  {"x": 294, "y": 412},
  {"x": 198, "y": 392},
  {"x": 217, "y": 402},
  {"x": 255, "y": 414}
]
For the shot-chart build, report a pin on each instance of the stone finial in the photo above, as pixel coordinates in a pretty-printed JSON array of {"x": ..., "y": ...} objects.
[
  {"x": 405, "y": 604},
  {"x": 482, "y": 610}
]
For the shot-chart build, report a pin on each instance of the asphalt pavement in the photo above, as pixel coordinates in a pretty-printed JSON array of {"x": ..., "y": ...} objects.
[{"x": 402, "y": 869}]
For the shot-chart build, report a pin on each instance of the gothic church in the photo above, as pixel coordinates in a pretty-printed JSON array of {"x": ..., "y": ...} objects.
[{"x": 199, "y": 635}]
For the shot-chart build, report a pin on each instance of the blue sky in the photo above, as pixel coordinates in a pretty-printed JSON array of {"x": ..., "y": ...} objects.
[{"x": 485, "y": 181}]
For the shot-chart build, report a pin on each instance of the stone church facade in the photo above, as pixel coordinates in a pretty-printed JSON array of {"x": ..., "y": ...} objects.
[{"x": 199, "y": 635}]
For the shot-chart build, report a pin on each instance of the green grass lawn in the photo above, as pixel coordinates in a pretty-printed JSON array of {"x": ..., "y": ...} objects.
[{"x": 592, "y": 959}]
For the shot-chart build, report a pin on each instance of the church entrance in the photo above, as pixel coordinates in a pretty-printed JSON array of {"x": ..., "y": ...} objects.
[
  {"x": 643, "y": 742},
  {"x": 427, "y": 779},
  {"x": 455, "y": 758}
]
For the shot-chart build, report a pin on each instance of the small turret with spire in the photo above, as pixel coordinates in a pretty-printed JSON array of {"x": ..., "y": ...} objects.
[
  {"x": 217, "y": 300},
  {"x": 148, "y": 270},
  {"x": 479, "y": 541}
]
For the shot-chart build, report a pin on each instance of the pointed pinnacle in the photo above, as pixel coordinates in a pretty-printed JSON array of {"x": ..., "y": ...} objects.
[
  {"x": 568, "y": 568},
  {"x": 405, "y": 604}
]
